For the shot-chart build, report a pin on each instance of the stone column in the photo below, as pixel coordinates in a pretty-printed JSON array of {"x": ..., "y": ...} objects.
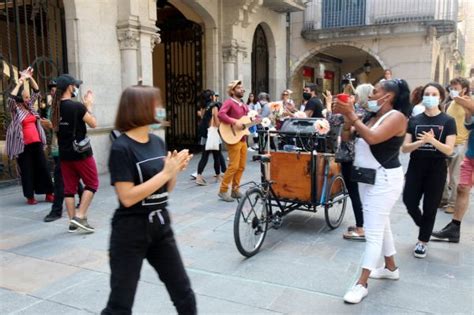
[
  {"x": 229, "y": 55},
  {"x": 129, "y": 40}
]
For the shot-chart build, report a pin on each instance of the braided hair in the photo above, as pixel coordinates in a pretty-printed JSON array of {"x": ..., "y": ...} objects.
[{"x": 55, "y": 113}]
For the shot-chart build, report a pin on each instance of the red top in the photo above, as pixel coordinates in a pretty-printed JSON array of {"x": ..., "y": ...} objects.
[
  {"x": 30, "y": 132},
  {"x": 232, "y": 110}
]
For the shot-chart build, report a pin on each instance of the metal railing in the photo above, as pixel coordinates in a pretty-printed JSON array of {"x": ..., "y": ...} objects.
[{"x": 329, "y": 14}]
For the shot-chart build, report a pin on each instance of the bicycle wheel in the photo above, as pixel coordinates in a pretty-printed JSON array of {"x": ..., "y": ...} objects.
[
  {"x": 250, "y": 222},
  {"x": 335, "y": 207}
]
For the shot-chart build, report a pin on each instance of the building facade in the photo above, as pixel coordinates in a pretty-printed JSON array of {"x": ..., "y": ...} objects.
[
  {"x": 185, "y": 46},
  {"x": 419, "y": 40},
  {"x": 181, "y": 46}
]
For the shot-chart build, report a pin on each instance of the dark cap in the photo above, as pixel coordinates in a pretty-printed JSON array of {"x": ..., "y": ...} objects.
[
  {"x": 65, "y": 80},
  {"x": 52, "y": 83}
]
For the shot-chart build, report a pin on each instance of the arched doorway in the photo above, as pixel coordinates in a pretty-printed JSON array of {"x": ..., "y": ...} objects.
[
  {"x": 33, "y": 34},
  {"x": 178, "y": 71},
  {"x": 327, "y": 66},
  {"x": 260, "y": 57}
]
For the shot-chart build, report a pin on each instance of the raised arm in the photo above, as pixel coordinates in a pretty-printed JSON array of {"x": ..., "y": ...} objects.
[{"x": 393, "y": 125}]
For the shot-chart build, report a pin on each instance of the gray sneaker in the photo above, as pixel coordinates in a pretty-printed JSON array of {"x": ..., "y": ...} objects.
[
  {"x": 225, "y": 196},
  {"x": 82, "y": 223},
  {"x": 72, "y": 228},
  {"x": 236, "y": 194}
]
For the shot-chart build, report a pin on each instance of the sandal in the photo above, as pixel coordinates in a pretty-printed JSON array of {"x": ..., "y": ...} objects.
[{"x": 353, "y": 235}]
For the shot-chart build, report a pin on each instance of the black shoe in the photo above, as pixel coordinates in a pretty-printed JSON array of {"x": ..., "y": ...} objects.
[
  {"x": 72, "y": 228},
  {"x": 450, "y": 233},
  {"x": 420, "y": 250},
  {"x": 52, "y": 216}
]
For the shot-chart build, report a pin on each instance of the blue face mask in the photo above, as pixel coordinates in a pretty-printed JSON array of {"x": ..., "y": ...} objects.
[
  {"x": 373, "y": 106},
  {"x": 430, "y": 101},
  {"x": 160, "y": 115}
]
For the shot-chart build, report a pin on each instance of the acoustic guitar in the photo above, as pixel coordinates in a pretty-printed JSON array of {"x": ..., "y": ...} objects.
[{"x": 231, "y": 135}]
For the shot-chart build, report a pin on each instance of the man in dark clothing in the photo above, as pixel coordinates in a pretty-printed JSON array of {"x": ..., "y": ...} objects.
[{"x": 314, "y": 107}]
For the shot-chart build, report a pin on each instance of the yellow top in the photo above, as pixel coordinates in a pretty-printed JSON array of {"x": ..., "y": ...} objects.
[{"x": 457, "y": 112}]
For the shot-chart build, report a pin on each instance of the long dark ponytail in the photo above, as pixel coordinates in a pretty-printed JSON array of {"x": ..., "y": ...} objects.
[{"x": 401, "y": 90}]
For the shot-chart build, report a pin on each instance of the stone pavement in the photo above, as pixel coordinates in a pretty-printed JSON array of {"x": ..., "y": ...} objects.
[{"x": 302, "y": 268}]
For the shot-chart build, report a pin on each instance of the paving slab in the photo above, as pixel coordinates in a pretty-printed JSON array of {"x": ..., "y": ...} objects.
[{"x": 303, "y": 268}]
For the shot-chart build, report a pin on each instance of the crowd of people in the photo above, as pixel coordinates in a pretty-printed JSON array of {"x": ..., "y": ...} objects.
[{"x": 432, "y": 123}]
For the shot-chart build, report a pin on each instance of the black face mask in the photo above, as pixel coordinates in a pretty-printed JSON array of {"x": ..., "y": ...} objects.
[{"x": 306, "y": 96}]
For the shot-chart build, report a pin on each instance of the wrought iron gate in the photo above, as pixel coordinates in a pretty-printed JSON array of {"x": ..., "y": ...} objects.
[
  {"x": 183, "y": 73},
  {"x": 32, "y": 34},
  {"x": 260, "y": 61}
]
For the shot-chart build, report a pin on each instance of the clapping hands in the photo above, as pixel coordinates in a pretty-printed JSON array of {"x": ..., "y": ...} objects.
[
  {"x": 176, "y": 162},
  {"x": 426, "y": 137}
]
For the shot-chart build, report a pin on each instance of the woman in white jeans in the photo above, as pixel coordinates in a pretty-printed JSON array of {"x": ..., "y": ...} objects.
[{"x": 379, "y": 173}]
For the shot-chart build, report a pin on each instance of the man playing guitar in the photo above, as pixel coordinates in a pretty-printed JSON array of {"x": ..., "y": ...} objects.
[{"x": 231, "y": 111}]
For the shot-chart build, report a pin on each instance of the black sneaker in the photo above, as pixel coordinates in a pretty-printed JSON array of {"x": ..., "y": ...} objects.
[
  {"x": 82, "y": 223},
  {"x": 420, "y": 250},
  {"x": 72, "y": 228},
  {"x": 52, "y": 216},
  {"x": 450, "y": 233}
]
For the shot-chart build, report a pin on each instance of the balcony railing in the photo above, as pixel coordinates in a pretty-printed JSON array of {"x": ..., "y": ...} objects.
[{"x": 331, "y": 14}]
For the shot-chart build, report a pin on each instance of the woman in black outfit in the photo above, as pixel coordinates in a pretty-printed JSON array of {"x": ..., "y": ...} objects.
[
  {"x": 430, "y": 139},
  {"x": 143, "y": 174},
  {"x": 209, "y": 119}
]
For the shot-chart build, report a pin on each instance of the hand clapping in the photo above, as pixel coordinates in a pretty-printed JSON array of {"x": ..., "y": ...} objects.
[
  {"x": 426, "y": 137},
  {"x": 176, "y": 162}
]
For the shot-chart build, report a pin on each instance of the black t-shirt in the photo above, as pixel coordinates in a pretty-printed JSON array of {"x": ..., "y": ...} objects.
[
  {"x": 206, "y": 119},
  {"x": 71, "y": 111},
  {"x": 316, "y": 106},
  {"x": 442, "y": 125},
  {"x": 132, "y": 161}
]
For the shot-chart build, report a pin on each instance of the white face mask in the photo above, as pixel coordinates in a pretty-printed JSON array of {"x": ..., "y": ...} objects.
[
  {"x": 373, "y": 106},
  {"x": 454, "y": 93},
  {"x": 75, "y": 92},
  {"x": 430, "y": 101}
]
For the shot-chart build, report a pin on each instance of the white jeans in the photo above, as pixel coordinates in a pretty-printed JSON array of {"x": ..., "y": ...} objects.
[{"x": 377, "y": 202}]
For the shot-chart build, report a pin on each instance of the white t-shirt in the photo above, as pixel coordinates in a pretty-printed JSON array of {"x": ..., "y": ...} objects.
[{"x": 418, "y": 109}]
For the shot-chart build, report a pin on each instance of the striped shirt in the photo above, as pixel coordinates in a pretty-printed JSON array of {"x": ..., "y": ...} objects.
[{"x": 15, "y": 142}]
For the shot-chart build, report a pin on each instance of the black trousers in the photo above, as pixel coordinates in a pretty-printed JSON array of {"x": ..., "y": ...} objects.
[
  {"x": 219, "y": 161},
  {"x": 353, "y": 189},
  {"x": 133, "y": 239},
  {"x": 57, "y": 206},
  {"x": 424, "y": 178},
  {"x": 34, "y": 171}
]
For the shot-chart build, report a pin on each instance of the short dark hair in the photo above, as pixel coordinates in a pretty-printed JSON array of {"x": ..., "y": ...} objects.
[
  {"x": 400, "y": 88},
  {"x": 206, "y": 98},
  {"x": 461, "y": 81},
  {"x": 311, "y": 86},
  {"x": 439, "y": 87},
  {"x": 137, "y": 107}
]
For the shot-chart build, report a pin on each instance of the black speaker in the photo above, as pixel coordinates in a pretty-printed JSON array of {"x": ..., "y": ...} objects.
[
  {"x": 301, "y": 132},
  {"x": 299, "y": 126}
]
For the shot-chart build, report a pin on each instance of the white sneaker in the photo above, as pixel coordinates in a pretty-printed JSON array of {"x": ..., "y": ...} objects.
[
  {"x": 384, "y": 273},
  {"x": 356, "y": 294}
]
